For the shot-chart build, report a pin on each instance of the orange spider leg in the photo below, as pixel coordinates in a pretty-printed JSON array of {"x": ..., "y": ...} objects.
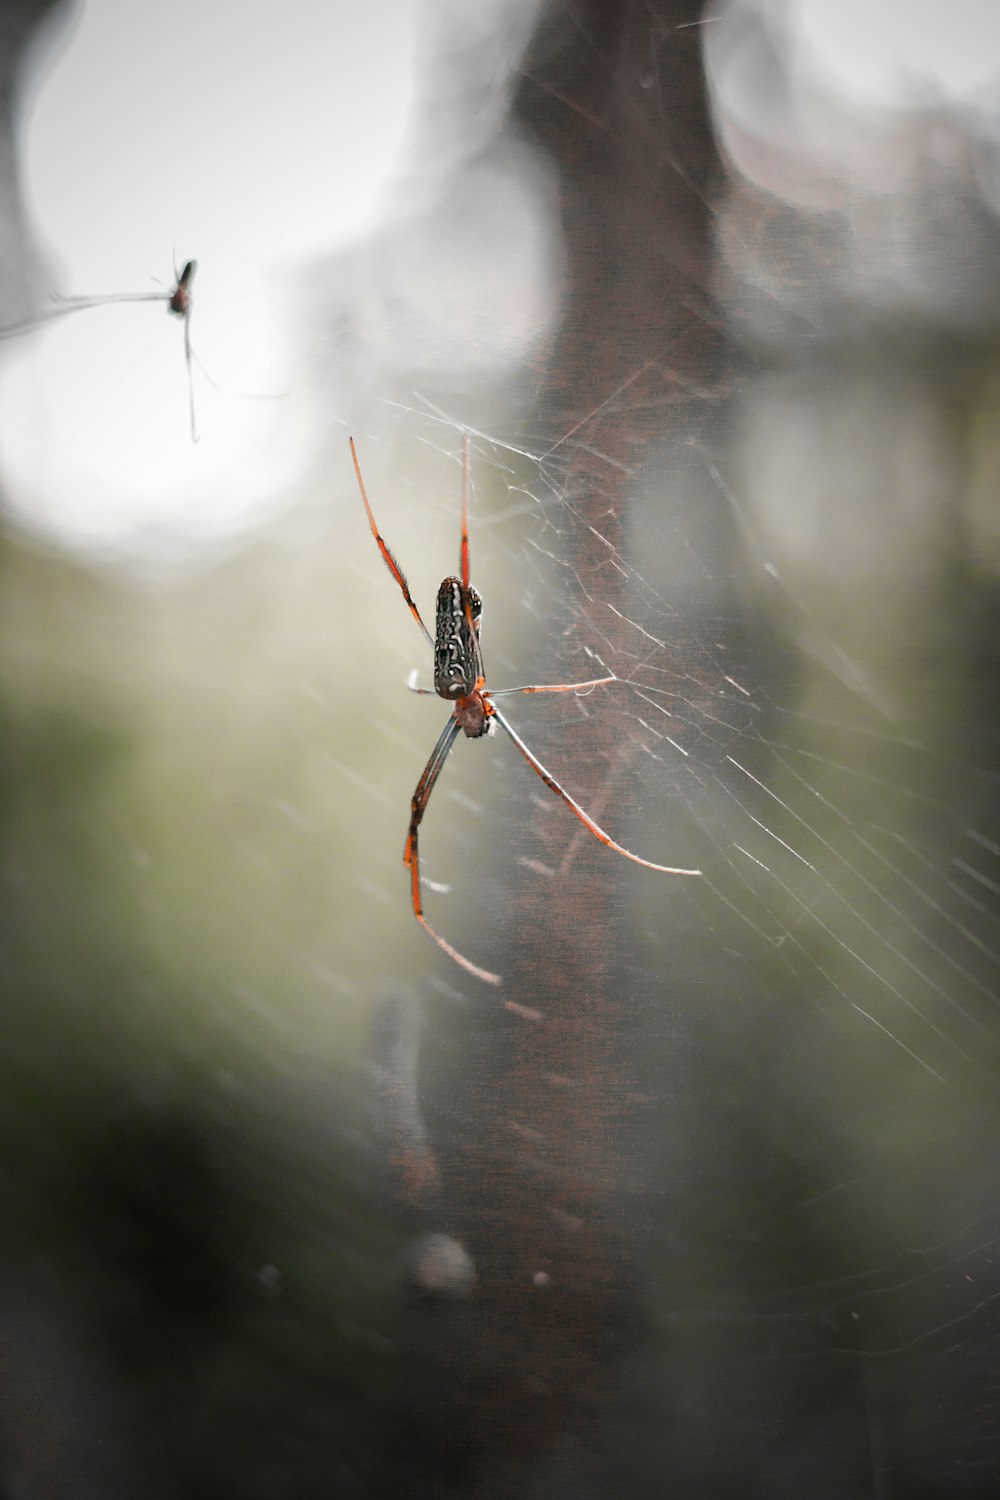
[
  {"x": 468, "y": 593},
  {"x": 411, "y": 857},
  {"x": 548, "y": 687},
  {"x": 463, "y": 555},
  {"x": 553, "y": 687},
  {"x": 387, "y": 556},
  {"x": 575, "y": 807}
]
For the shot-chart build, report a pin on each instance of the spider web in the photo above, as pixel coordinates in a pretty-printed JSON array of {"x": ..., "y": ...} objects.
[
  {"x": 831, "y": 980},
  {"x": 794, "y": 804},
  {"x": 710, "y": 1181}
]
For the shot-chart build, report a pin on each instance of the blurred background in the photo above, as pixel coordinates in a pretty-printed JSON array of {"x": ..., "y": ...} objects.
[{"x": 703, "y": 1197}]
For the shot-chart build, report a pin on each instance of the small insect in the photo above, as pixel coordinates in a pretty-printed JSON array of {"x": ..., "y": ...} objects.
[
  {"x": 178, "y": 302},
  {"x": 459, "y": 678}
]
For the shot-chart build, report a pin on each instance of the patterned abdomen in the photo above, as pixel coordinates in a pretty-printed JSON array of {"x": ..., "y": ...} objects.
[{"x": 458, "y": 663}]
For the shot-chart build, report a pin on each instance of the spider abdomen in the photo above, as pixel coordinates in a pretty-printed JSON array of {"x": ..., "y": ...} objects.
[{"x": 458, "y": 662}]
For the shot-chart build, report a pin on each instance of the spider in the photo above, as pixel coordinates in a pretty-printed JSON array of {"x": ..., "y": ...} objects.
[
  {"x": 459, "y": 679},
  {"x": 178, "y": 302}
]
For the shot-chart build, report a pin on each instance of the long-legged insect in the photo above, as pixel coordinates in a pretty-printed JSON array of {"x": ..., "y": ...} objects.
[
  {"x": 177, "y": 298},
  {"x": 459, "y": 678}
]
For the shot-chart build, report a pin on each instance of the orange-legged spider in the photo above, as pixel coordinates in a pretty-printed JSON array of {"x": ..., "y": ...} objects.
[{"x": 459, "y": 678}]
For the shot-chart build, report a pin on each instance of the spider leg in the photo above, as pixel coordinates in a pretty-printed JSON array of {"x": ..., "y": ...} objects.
[
  {"x": 411, "y": 857},
  {"x": 463, "y": 551},
  {"x": 387, "y": 556},
  {"x": 190, "y": 371},
  {"x": 472, "y": 622},
  {"x": 505, "y": 692},
  {"x": 77, "y": 304},
  {"x": 243, "y": 395},
  {"x": 575, "y": 807},
  {"x": 66, "y": 305},
  {"x": 551, "y": 687}
]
